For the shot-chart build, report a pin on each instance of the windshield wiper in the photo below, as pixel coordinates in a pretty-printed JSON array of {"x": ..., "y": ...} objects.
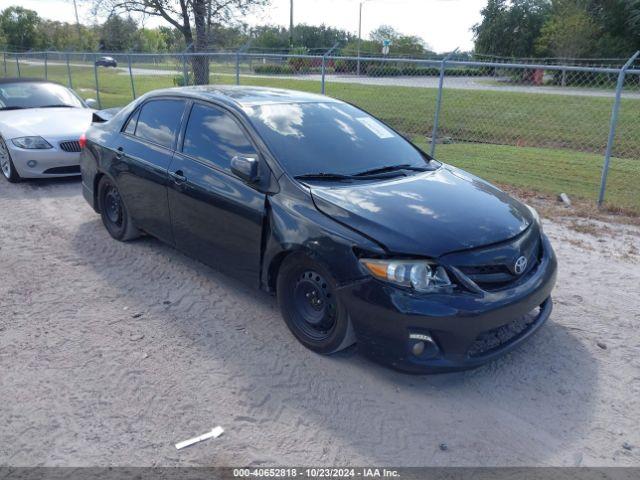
[
  {"x": 324, "y": 176},
  {"x": 56, "y": 106},
  {"x": 12, "y": 108},
  {"x": 391, "y": 168}
]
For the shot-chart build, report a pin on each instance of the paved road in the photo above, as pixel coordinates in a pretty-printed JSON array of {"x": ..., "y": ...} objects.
[
  {"x": 460, "y": 83},
  {"x": 111, "y": 352}
]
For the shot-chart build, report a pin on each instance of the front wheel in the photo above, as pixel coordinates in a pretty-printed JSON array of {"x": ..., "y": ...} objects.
[
  {"x": 6, "y": 164},
  {"x": 310, "y": 306},
  {"x": 115, "y": 215}
]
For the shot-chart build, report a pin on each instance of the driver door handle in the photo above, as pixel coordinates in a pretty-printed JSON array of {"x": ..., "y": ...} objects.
[{"x": 178, "y": 176}]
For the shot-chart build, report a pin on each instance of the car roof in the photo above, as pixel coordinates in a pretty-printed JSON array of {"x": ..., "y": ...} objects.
[{"x": 244, "y": 96}]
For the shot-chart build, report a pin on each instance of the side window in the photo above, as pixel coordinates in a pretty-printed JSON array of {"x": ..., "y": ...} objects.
[
  {"x": 212, "y": 135},
  {"x": 131, "y": 123},
  {"x": 159, "y": 120}
]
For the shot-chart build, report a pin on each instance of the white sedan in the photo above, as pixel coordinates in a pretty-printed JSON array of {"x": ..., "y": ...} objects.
[{"x": 40, "y": 128}]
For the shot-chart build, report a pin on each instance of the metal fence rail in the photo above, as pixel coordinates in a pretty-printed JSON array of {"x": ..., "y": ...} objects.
[{"x": 550, "y": 127}]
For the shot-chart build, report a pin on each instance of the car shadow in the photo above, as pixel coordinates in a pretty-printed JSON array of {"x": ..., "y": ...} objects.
[
  {"x": 52, "y": 187},
  {"x": 521, "y": 409}
]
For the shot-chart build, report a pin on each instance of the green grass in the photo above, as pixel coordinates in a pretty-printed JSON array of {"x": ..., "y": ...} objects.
[
  {"x": 544, "y": 142},
  {"x": 549, "y": 171}
]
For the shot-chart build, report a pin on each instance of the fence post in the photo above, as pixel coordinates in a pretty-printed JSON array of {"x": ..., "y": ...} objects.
[
  {"x": 241, "y": 50},
  {"x": 18, "y": 65},
  {"x": 436, "y": 119},
  {"x": 4, "y": 61},
  {"x": 612, "y": 127},
  {"x": 95, "y": 74},
  {"x": 46, "y": 73},
  {"x": 69, "y": 71},
  {"x": 184, "y": 70},
  {"x": 238, "y": 68},
  {"x": 324, "y": 65},
  {"x": 133, "y": 87}
]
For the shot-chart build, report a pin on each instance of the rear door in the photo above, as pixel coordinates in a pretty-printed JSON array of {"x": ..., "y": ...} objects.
[
  {"x": 142, "y": 161},
  {"x": 216, "y": 216}
]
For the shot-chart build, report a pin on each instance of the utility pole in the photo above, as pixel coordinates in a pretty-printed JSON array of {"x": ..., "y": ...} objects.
[
  {"x": 359, "y": 36},
  {"x": 291, "y": 26},
  {"x": 75, "y": 7}
]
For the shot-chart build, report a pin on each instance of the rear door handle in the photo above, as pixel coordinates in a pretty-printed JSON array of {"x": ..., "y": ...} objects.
[{"x": 178, "y": 176}]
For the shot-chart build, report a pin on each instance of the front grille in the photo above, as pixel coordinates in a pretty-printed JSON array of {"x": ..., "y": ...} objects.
[
  {"x": 503, "y": 335},
  {"x": 72, "y": 146},
  {"x": 492, "y": 268},
  {"x": 62, "y": 170}
]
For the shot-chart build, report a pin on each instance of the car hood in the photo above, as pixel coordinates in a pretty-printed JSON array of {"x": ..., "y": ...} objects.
[
  {"x": 45, "y": 122},
  {"x": 428, "y": 214}
]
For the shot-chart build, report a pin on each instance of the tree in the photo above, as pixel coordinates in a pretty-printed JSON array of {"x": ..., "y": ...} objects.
[
  {"x": 619, "y": 25},
  {"x": 311, "y": 37},
  {"x": 405, "y": 45},
  {"x": 150, "y": 40},
  {"x": 193, "y": 18},
  {"x": 569, "y": 33},
  {"x": 172, "y": 38},
  {"x": 64, "y": 36},
  {"x": 20, "y": 27},
  {"x": 118, "y": 34},
  {"x": 510, "y": 29}
]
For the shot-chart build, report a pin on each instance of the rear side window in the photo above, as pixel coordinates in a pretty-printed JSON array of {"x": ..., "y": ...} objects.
[
  {"x": 159, "y": 120},
  {"x": 214, "y": 136},
  {"x": 131, "y": 123}
]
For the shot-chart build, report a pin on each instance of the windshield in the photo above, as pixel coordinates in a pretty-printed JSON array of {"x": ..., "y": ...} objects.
[
  {"x": 37, "y": 94},
  {"x": 330, "y": 138}
]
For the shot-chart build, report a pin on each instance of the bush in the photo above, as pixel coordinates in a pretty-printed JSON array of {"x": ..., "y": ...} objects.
[
  {"x": 392, "y": 70},
  {"x": 344, "y": 66},
  {"x": 383, "y": 70},
  {"x": 273, "y": 69},
  {"x": 178, "y": 81},
  {"x": 421, "y": 71}
]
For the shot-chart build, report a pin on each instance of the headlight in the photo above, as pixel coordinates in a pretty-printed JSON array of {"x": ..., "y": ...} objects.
[
  {"x": 31, "y": 143},
  {"x": 420, "y": 275}
]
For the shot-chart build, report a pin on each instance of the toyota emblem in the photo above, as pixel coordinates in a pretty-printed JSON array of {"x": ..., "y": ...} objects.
[{"x": 520, "y": 265}]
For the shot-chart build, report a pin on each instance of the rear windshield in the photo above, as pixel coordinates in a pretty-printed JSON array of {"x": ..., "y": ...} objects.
[
  {"x": 329, "y": 137},
  {"x": 36, "y": 94}
]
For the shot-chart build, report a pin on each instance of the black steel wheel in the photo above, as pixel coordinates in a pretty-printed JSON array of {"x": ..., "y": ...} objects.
[
  {"x": 114, "y": 213},
  {"x": 310, "y": 306}
]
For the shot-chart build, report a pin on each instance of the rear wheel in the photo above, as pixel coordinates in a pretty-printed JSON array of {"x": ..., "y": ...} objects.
[
  {"x": 6, "y": 164},
  {"x": 310, "y": 307},
  {"x": 115, "y": 215}
]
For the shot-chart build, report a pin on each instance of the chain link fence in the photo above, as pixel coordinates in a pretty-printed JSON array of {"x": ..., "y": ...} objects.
[{"x": 543, "y": 127}]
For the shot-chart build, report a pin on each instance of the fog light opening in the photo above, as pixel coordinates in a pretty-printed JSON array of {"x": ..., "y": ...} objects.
[
  {"x": 422, "y": 345},
  {"x": 418, "y": 348}
]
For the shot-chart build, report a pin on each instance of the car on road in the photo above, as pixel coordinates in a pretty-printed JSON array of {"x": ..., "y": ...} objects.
[
  {"x": 106, "y": 62},
  {"x": 362, "y": 236},
  {"x": 40, "y": 126}
]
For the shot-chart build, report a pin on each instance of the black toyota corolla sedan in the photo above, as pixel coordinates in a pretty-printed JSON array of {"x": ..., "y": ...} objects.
[{"x": 361, "y": 235}]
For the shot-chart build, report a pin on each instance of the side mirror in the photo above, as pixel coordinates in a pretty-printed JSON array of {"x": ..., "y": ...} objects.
[
  {"x": 91, "y": 103},
  {"x": 245, "y": 168}
]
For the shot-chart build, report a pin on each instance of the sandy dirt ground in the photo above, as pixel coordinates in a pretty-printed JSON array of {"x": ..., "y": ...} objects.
[{"x": 110, "y": 353}]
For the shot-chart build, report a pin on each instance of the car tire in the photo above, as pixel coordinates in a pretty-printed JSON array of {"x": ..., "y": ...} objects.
[
  {"x": 114, "y": 213},
  {"x": 310, "y": 308},
  {"x": 9, "y": 171}
]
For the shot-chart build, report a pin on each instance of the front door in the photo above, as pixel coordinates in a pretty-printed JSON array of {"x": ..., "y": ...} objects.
[{"x": 216, "y": 216}]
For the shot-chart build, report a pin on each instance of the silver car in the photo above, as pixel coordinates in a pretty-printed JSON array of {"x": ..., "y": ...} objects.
[{"x": 40, "y": 128}]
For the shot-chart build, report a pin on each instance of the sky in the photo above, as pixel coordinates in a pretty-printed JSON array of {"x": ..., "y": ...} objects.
[{"x": 443, "y": 24}]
